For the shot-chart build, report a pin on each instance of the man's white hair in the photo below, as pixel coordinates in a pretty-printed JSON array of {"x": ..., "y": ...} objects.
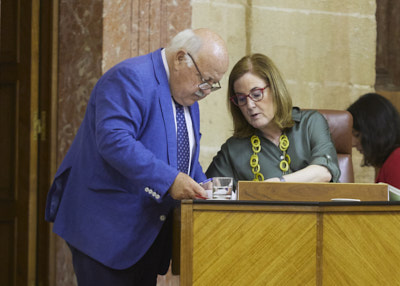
[{"x": 188, "y": 41}]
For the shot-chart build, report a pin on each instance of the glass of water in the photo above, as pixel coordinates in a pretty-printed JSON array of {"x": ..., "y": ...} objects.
[{"x": 222, "y": 188}]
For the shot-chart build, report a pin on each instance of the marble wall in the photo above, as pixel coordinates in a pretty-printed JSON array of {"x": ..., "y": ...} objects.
[{"x": 80, "y": 55}]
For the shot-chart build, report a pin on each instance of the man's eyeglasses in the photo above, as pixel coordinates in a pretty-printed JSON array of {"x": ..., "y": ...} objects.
[
  {"x": 256, "y": 94},
  {"x": 205, "y": 85}
]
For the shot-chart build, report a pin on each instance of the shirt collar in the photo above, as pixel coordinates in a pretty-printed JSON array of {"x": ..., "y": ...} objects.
[
  {"x": 296, "y": 114},
  {"x": 164, "y": 59}
]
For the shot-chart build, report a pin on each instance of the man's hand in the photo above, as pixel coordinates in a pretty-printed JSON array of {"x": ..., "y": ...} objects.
[{"x": 184, "y": 187}]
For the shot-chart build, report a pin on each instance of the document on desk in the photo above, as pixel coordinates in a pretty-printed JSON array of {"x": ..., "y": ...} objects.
[{"x": 394, "y": 193}]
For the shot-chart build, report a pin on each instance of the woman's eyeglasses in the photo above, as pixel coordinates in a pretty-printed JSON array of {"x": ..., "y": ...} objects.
[{"x": 256, "y": 94}]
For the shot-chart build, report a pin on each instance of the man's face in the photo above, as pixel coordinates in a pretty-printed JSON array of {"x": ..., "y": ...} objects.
[{"x": 188, "y": 74}]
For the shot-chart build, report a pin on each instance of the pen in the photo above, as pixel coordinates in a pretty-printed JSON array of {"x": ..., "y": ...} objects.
[
  {"x": 202, "y": 183},
  {"x": 201, "y": 197}
]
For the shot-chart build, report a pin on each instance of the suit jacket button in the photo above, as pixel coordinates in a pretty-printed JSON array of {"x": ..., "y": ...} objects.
[
  {"x": 157, "y": 196},
  {"x": 162, "y": 217}
]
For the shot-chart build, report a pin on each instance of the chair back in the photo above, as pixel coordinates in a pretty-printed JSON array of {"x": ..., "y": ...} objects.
[{"x": 340, "y": 125}]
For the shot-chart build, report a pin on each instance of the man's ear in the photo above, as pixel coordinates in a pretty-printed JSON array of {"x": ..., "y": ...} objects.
[{"x": 180, "y": 59}]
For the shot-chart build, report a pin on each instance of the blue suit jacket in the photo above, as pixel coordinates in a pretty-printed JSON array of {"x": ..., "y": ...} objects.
[{"x": 109, "y": 197}]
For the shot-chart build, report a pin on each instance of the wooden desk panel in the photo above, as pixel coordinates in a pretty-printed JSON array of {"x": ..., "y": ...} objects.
[
  {"x": 361, "y": 248},
  {"x": 276, "y": 247},
  {"x": 316, "y": 192},
  {"x": 255, "y": 244}
]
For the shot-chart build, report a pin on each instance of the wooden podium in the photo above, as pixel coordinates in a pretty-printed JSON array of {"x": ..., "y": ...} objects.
[
  {"x": 314, "y": 192},
  {"x": 289, "y": 243}
]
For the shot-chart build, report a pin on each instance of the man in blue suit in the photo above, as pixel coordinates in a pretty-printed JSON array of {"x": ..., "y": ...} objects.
[{"x": 112, "y": 196}]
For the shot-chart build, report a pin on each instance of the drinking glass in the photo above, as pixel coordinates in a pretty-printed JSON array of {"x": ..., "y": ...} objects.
[{"x": 222, "y": 188}]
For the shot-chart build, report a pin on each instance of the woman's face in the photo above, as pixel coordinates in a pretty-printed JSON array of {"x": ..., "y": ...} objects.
[
  {"x": 356, "y": 140},
  {"x": 259, "y": 114}
]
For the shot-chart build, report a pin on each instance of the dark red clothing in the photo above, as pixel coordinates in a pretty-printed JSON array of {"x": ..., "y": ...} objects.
[{"x": 390, "y": 171}]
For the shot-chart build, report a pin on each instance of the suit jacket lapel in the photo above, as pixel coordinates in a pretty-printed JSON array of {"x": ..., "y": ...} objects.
[
  {"x": 165, "y": 102},
  {"x": 194, "y": 113}
]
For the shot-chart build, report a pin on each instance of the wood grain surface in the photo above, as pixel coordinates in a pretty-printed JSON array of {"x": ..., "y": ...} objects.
[{"x": 260, "y": 244}]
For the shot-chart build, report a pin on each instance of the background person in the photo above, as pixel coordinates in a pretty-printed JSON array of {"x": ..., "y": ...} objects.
[
  {"x": 113, "y": 194},
  {"x": 272, "y": 141},
  {"x": 376, "y": 135}
]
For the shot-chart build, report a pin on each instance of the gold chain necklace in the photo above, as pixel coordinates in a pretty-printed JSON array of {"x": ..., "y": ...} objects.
[
  {"x": 256, "y": 147},
  {"x": 284, "y": 145},
  {"x": 255, "y": 167}
]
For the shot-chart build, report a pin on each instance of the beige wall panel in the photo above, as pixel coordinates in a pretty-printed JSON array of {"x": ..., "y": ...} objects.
[
  {"x": 362, "y": 174},
  {"x": 314, "y": 52},
  {"x": 324, "y": 95},
  {"x": 357, "y": 7},
  {"x": 228, "y": 20}
]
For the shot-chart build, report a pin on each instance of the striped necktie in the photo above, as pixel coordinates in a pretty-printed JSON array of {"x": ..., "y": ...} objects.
[{"x": 182, "y": 140}]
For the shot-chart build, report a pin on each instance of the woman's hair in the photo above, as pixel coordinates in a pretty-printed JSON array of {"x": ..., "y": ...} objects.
[
  {"x": 263, "y": 67},
  {"x": 378, "y": 122}
]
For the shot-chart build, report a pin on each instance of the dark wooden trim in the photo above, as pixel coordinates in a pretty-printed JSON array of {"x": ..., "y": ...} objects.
[
  {"x": 186, "y": 255},
  {"x": 47, "y": 110},
  {"x": 319, "y": 250},
  {"x": 388, "y": 45}
]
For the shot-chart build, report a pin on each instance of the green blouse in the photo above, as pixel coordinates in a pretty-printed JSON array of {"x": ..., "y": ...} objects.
[{"x": 310, "y": 143}]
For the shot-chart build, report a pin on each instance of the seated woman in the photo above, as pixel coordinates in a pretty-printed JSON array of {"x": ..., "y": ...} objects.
[
  {"x": 376, "y": 134},
  {"x": 272, "y": 140}
]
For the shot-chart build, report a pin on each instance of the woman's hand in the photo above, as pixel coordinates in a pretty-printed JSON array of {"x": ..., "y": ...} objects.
[{"x": 310, "y": 174}]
